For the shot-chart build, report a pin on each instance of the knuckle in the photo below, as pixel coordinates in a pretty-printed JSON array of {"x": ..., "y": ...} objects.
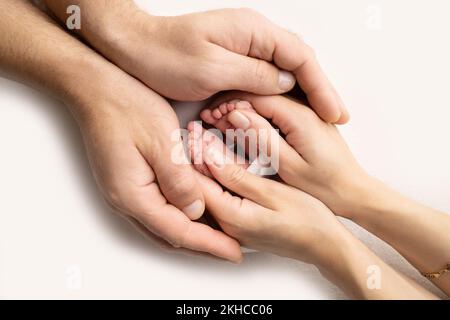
[
  {"x": 125, "y": 203},
  {"x": 115, "y": 199},
  {"x": 259, "y": 74},
  {"x": 179, "y": 184},
  {"x": 206, "y": 79},
  {"x": 307, "y": 114},
  {"x": 236, "y": 175},
  {"x": 181, "y": 239}
]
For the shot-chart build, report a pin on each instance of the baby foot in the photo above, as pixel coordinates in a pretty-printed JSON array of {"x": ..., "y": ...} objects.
[
  {"x": 266, "y": 149},
  {"x": 201, "y": 140},
  {"x": 219, "y": 117}
]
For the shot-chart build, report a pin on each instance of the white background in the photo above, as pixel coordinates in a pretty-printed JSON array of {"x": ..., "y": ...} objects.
[{"x": 388, "y": 59}]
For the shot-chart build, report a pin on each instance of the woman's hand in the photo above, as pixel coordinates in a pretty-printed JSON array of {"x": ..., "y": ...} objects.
[
  {"x": 314, "y": 158},
  {"x": 271, "y": 216},
  {"x": 266, "y": 215},
  {"x": 313, "y": 155},
  {"x": 194, "y": 56}
]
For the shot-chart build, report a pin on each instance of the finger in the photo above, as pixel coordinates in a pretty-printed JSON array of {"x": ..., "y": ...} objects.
[
  {"x": 237, "y": 179},
  {"x": 255, "y": 75},
  {"x": 230, "y": 209},
  {"x": 159, "y": 242},
  {"x": 345, "y": 117},
  {"x": 172, "y": 225},
  {"x": 294, "y": 55},
  {"x": 271, "y": 146},
  {"x": 257, "y": 136},
  {"x": 176, "y": 178},
  {"x": 269, "y": 42},
  {"x": 289, "y": 52},
  {"x": 199, "y": 138},
  {"x": 289, "y": 115}
]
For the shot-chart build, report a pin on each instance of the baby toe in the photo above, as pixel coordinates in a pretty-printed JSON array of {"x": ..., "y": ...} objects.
[
  {"x": 223, "y": 108},
  {"x": 217, "y": 114},
  {"x": 243, "y": 105},
  {"x": 206, "y": 115},
  {"x": 230, "y": 107}
]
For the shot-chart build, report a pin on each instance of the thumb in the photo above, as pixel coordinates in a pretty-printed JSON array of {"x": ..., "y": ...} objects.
[
  {"x": 177, "y": 181},
  {"x": 237, "y": 179},
  {"x": 256, "y": 76}
]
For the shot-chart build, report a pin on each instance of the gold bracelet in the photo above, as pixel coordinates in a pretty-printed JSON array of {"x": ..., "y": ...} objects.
[{"x": 435, "y": 275}]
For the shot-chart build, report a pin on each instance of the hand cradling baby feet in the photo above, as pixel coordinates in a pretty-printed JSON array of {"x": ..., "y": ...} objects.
[
  {"x": 311, "y": 154},
  {"x": 231, "y": 119}
]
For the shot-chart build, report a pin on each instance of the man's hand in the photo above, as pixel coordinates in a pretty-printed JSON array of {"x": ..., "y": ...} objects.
[
  {"x": 129, "y": 135},
  {"x": 194, "y": 56},
  {"x": 128, "y": 129},
  {"x": 319, "y": 162}
]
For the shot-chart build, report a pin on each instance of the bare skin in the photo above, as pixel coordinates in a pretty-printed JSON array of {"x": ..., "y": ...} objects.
[
  {"x": 271, "y": 216},
  {"x": 130, "y": 155},
  {"x": 314, "y": 158},
  {"x": 226, "y": 49},
  {"x": 178, "y": 69}
]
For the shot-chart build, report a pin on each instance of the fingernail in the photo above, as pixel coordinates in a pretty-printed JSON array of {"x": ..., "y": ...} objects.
[
  {"x": 239, "y": 120},
  {"x": 286, "y": 80},
  {"x": 194, "y": 210},
  {"x": 214, "y": 157}
]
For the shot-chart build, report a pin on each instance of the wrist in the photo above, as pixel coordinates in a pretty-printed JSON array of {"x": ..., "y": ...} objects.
[
  {"x": 88, "y": 84},
  {"x": 361, "y": 274},
  {"x": 120, "y": 34},
  {"x": 373, "y": 199},
  {"x": 358, "y": 195},
  {"x": 325, "y": 247},
  {"x": 334, "y": 250},
  {"x": 103, "y": 23}
]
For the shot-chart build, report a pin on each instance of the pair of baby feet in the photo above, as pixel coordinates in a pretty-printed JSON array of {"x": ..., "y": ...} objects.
[
  {"x": 304, "y": 152},
  {"x": 206, "y": 144}
]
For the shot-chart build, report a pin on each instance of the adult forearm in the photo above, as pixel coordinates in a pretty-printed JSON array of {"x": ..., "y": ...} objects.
[
  {"x": 420, "y": 234},
  {"x": 37, "y": 52},
  {"x": 361, "y": 274},
  {"x": 102, "y": 23}
]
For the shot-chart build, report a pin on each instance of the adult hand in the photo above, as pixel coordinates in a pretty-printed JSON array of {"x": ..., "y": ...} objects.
[
  {"x": 271, "y": 216},
  {"x": 264, "y": 214},
  {"x": 313, "y": 156},
  {"x": 127, "y": 128},
  {"x": 129, "y": 132},
  {"x": 194, "y": 56}
]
